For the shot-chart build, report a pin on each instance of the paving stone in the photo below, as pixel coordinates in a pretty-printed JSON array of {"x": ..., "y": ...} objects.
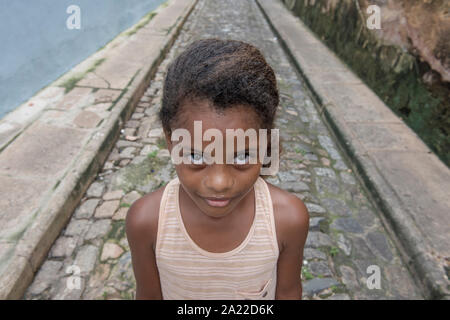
[
  {"x": 316, "y": 285},
  {"x": 68, "y": 293},
  {"x": 86, "y": 259},
  {"x": 98, "y": 229},
  {"x": 94, "y": 286},
  {"x": 95, "y": 190},
  {"x": 149, "y": 149},
  {"x": 113, "y": 195},
  {"x": 131, "y": 197},
  {"x": 292, "y": 112},
  {"x": 137, "y": 116},
  {"x": 319, "y": 268},
  {"x": 297, "y": 186},
  {"x": 131, "y": 138},
  {"x": 347, "y": 225},
  {"x": 325, "y": 172},
  {"x": 77, "y": 227},
  {"x": 107, "y": 209},
  {"x": 361, "y": 250},
  {"x": 124, "y": 162},
  {"x": 113, "y": 156},
  {"x": 121, "y": 214},
  {"x": 339, "y": 296},
  {"x": 325, "y": 185},
  {"x": 86, "y": 210},
  {"x": 145, "y": 99},
  {"x": 365, "y": 216},
  {"x": 287, "y": 176},
  {"x": 47, "y": 275},
  {"x": 150, "y": 111},
  {"x": 344, "y": 244},
  {"x": 121, "y": 276},
  {"x": 132, "y": 124},
  {"x": 306, "y": 196},
  {"x": 347, "y": 178},
  {"x": 150, "y": 186},
  {"x": 301, "y": 173},
  {"x": 304, "y": 118},
  {"x": 317, "y": 239},
  {"x": 110, "y": 251},
  {"x": 108, "y": 165},
  {"x": 137, "y": 160},
  {"x": 328, "y": 145},
  {"x": 127, "y": 153},
  {"x": 314, "y": 223},
  {"x": 379, "y": 244},
  {"x": 349, "y": 277},
  {"x": 163, "y": 154},
  {"x": 340, "y": 165},
  {"x": 314, "y": 208},
  {"x": 129, "y": 131},
  {"x": 336, "y": 206},
  {"x": 310, "y": 254},
  {"x": 125, "y": 143},
  {"x": 124, "y": 243},
  {"x": 311, "y": 157},
  {"x": 158, "y": 132},
  {"x": 325, "y": 161},
  {"x": 63, "y": 247}
]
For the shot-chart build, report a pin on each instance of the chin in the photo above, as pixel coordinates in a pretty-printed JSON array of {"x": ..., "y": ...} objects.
[{"x": 216, "y": 212}]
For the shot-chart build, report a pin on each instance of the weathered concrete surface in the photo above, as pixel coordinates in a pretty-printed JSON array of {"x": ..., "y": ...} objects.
[
  {"x": 405, "y": 62},
  {"x": 346, "y": 235},
  {"x": 409, "y": 182},
  {"x": 52, "y": 146}
]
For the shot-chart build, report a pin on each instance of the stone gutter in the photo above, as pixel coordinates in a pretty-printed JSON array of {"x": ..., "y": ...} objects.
[
  {"x": 407, "y": 181},
  {"x": 52, "y": 146}
]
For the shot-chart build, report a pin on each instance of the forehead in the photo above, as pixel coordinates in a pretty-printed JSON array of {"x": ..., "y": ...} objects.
[{"x": 235, "y": 117}]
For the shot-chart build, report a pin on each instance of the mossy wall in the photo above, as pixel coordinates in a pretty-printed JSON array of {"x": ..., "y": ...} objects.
[{"x": 397, "y": 75}]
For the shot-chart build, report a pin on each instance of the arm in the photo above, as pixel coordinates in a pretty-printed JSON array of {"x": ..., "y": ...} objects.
[
  {"x": 293, "y": 224},
  {"x": 141, "y": 228}
]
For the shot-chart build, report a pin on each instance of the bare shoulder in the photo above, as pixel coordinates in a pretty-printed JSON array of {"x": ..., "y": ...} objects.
[
  {"x": 142, "y": 217},
  {"x": 290, "y": 214}
]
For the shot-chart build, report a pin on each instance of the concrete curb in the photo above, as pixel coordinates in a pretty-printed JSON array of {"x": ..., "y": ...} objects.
[
  {"x": 24, "y": 257},
  {"x": 402, "y": 193}
]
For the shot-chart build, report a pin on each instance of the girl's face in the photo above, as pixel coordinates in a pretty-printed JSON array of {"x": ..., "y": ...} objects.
[{"x": 216, "y": 189}]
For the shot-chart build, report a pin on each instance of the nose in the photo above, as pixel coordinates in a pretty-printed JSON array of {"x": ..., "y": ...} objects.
[{"x": 218, "y": 179}]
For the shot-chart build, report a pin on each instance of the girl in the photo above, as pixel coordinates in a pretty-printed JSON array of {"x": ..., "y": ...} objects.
[{"x": 218, "y": 230}]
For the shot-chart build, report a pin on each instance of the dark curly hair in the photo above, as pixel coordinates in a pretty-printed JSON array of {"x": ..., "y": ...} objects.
[{"x": 225, "y": 72}]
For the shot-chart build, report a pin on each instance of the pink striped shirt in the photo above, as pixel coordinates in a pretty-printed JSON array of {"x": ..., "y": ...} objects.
[{"x": 187, "y": 271}]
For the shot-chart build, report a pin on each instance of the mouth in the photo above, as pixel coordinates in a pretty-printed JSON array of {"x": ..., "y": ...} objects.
[{"x": 217, "y": 202}]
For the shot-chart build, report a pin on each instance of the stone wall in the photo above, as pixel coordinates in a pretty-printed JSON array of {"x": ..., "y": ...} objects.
[{"x": 406, "y": 62}]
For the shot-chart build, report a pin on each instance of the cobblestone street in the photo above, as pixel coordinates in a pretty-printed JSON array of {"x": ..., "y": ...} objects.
[{"x": 346, "y": 234}]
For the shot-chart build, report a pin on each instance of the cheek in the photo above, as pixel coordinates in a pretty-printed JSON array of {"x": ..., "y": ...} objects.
[
  {"x": 183, "y": 172},
  {"x": 190, "y": 177},
  {"x": 246, "y": 178}
]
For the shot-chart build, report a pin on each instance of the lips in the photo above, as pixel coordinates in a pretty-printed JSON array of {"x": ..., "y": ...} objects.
[{"x": 218, "y": 202}]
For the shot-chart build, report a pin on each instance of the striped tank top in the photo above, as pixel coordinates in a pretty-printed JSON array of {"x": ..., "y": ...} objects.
[{"x": 187, "y": 271}]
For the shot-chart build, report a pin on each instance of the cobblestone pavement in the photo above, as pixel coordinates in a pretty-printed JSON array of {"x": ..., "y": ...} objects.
[{"x": 346, "y": 235}]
